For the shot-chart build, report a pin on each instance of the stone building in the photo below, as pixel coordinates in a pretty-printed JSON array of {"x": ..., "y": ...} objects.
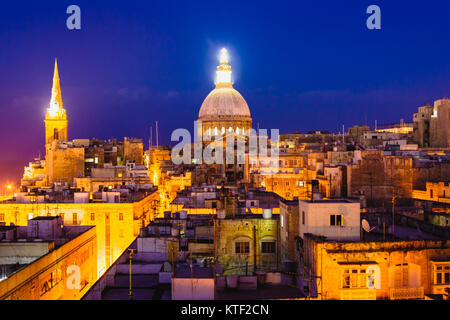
[
  {"x": 440, "y": 124},
  {"x": 400, "y": 269},
  {"x": 248, "y": 243},
  {"x": 289, "y": 227},
  {"x": 41, "y": 260},
  {"x": 432, "y": 125},
  {"x": 67, "y": 160},
  {"x": 117, "y": 218}
]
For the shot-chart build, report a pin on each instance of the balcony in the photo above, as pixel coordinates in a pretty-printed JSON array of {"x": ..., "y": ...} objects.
[
  {"x": 358, "y": 294},
  {"x": 406, "y": 293}
]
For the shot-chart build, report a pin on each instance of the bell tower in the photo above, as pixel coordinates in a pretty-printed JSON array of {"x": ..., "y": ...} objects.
[{"x": 55, "y": 119}]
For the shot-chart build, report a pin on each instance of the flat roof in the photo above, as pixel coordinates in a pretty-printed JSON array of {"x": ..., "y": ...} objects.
[{"x": 329, "y": 201}]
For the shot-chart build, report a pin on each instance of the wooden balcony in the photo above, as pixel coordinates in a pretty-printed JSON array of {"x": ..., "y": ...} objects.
[{"x": 406, "y": 293}]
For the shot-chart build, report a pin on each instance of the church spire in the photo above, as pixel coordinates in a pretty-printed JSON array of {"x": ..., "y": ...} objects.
[
  {"x": 56, "y": 104},
  {"x": 223, "y": 73}
]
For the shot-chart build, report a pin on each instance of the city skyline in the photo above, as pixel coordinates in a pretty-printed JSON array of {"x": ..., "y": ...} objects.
[{"x": 350, "y": 74}]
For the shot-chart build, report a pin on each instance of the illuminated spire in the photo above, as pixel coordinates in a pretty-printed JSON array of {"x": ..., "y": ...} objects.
[
  {"x": 223, "y": 73},
  {"x": 55, "y": 108}
]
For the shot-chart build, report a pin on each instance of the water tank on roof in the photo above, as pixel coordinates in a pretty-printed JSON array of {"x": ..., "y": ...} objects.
[
  {"x": 183, "y": 214},
  {"x": 221, "y": 214},
  {"x": 81, "y": 197},
  {"x": 267, "y": 213}
]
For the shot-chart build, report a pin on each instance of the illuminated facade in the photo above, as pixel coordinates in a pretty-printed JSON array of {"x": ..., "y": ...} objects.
[
  {"x": 117, "y": 224},
  {"x": 56, "y": 122},
  {"x": 48, "y": 257},
  {"x": 375, "y": 270}
]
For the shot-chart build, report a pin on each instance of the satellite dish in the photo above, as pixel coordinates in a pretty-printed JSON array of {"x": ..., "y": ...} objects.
[{"x": 366, "y": 226}]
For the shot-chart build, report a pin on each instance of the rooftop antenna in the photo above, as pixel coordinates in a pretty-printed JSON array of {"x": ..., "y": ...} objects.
[
  {"x": 157, "y": 144},
  {"x": 151, "y": 137},
  {"x": 375, "y": 125}
]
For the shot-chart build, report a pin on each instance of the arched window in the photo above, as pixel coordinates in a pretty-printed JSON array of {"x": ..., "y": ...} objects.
[
  {"x": 223, "y": 130},
  {"x": 216, "y": 132},
  {"x": 55, "y": 134}
]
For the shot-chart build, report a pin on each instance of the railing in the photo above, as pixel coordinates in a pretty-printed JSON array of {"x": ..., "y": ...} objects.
[{"x": 406, "y": 293}]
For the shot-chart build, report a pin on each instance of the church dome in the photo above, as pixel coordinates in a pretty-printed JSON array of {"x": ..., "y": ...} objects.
[{"x": 224, "y": 103}]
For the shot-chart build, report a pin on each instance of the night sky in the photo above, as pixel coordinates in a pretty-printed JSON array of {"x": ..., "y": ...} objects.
[{"x": 300, "y": 65}]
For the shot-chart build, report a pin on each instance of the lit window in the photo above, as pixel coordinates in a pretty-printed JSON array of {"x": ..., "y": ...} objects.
[
  {"x": 355, "y": 278},
  {"x": 442, "y": 274}
]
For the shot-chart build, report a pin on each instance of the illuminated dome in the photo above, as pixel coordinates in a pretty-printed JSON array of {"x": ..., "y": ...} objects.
[
  {"x": 224, "y": 109},
  {"x": 224, "y": 103}
]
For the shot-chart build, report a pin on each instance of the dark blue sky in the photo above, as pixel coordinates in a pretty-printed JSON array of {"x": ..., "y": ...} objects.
[{"x": 301, "y": 65}]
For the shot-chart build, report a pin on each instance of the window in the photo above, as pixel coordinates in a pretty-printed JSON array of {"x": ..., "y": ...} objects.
[
  {"x": 336, "y": 220},
  {"x": 242, "y": 247},
  {"x": 303, "y": 217},
  {"x": 354, "y": 278},
  {"x": 74, "y": 218},
  {"x": 2, "y": 217},
  {"x": 401, "y": 276},
  {"x": 442, "y": 274},
  {"x": 121, "y": 216},
  {"x": 92, "y": 216},
  {"x": 268, "y": 247},
  {"x": 431, "y": 193}
]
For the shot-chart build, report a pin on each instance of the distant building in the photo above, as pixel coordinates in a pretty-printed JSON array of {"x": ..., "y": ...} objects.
[{"x": 432, "y": 125}]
